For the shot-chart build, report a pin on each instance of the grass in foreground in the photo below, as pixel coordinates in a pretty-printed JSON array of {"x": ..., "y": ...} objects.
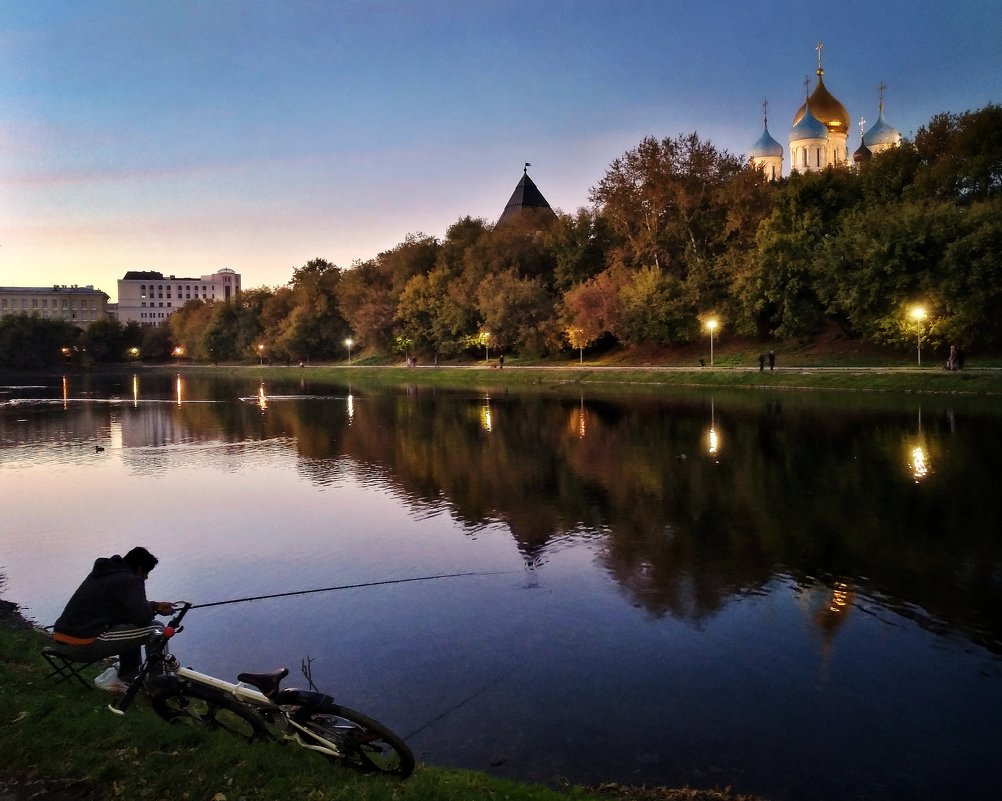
[{"x": 65, "y": 735}]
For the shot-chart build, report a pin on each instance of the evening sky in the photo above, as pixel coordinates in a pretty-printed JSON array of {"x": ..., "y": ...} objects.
[{"x": 189, "y": 135}]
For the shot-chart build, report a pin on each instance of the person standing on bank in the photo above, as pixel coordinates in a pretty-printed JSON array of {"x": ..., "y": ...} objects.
[
  {"x": 109, "y": 615},
  {"x": 772, "y": 360}
]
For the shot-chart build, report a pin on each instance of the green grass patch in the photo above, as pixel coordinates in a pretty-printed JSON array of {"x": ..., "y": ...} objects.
[{"x": 981, "y": 381}]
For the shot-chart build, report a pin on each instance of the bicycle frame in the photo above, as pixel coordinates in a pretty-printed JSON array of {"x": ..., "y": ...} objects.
[{"x": 246, "y": 695}]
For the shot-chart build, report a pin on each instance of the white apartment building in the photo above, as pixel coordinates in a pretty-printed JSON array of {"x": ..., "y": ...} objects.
[
  {"x": 78, "y": 305},
  {"x": 149, "y": 298}
]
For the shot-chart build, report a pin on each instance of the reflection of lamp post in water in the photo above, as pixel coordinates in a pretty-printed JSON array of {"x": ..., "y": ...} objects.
[
  {"x": 919, "y": 463},
  {"x": 711, "y": 326},
  {"x": 712, "y": 438},
  {"x": 918, "y": 313}
]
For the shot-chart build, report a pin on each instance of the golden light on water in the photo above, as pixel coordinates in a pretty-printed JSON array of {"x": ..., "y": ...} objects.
[
  {"x": 486, "y": 420},
  {"x": 578, "y": 421},
  {"x": 262, "y": 399},
  {"x": 840, "y": 597},
  {"x": 351, "y": 408},
  {"x": 66, "y": 392},
  {"x": 135, "y": 390},
  {"x": 712, "y": 442},
  {"x": 180, "y": 388},
  {"x": 919, "y": 464}
]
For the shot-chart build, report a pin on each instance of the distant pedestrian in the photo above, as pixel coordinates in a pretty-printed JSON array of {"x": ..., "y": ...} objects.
[
  {"x": 951, "y": 363},
  {"x": 501, "y": 361},
  {"x": 772, "y": 360},
  {"x": 761, "y": 362}
]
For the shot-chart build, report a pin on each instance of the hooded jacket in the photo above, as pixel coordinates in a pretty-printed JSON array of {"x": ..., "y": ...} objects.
[{"x": 112, "y": 594}]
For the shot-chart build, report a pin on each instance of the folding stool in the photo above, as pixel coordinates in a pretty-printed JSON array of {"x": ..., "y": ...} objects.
[{"x": 65, "y": 668}]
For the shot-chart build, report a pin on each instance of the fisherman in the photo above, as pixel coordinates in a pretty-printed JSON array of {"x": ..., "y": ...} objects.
[{"x": 109, "y": 615}]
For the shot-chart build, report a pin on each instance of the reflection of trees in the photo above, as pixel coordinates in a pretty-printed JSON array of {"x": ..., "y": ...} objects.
[{"x": 797, "y": 489}]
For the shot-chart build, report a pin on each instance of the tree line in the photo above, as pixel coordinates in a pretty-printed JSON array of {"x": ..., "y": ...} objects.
[{"x": 678, "y": 231}]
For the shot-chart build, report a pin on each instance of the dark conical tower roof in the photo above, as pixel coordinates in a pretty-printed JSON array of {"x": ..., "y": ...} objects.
[{"x": 526, "y": 196}]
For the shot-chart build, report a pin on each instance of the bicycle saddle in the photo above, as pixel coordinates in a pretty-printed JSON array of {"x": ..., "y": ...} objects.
[{"x": 266, "y": 682}]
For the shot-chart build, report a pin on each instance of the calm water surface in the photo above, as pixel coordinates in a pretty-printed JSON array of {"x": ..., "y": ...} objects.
[{"x": 796, "y": 595}]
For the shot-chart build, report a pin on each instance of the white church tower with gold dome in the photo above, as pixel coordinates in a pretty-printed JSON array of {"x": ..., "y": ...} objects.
[
  {"x": 810, "y": 149},
  {"x": 819, "y": 137}
]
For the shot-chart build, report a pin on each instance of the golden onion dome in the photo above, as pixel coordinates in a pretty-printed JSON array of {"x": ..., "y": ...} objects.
[{"x": 826, "y": 108}]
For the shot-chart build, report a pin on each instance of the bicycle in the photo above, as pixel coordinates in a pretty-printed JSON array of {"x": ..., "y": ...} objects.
[{"x": 257, "y": 708}]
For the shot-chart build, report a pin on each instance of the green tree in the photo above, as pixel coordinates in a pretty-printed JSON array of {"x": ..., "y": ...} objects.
[
  {"x": 27, "y": 341},
  {"x": 661, "y": 200},
  {"x": 365, "y": 299},
  {"x": 962, "y": 154},
  {"x": 652, "y": 308},
  {"x": 105, "y": 340},
  {"x": 517, "y": 311},
  {"x": 579, "y": 246}
]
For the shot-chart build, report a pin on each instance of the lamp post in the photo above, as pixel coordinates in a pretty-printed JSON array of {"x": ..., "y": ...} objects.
[
  {"x": 348, "y": 343},
  {"x": 178, "y": 353},
  {"x": 260, "y": 354},
  {"x": 918, "y": 312},
  {"x": 487, "y": 346},
  {"x": 711, "y": 326}
]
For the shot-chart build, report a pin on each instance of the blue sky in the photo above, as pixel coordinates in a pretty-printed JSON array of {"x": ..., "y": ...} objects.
[{"x": 186, "y": 136}]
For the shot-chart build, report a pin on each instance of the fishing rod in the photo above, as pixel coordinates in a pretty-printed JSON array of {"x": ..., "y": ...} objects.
[{"x": 348, "y": 587}]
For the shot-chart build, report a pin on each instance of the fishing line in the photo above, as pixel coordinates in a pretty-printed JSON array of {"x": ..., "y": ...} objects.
[{"x": 348, "y": 587}]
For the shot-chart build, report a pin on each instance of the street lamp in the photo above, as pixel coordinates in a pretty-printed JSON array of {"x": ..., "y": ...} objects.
[
  {"x": 178, "y": 353},
  {"x": 260, "y": 354},
  {"x": 711, "y": 326},
  {"x": 487, "y": 346},
  {"x": 348, "y": 343},
  {"x": 918, "y": 312}
]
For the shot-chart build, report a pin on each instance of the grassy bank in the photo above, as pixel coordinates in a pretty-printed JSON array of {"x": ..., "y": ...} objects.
[
  {"x": 981, "y": 381},
  {"x": 61, "y": 742}
]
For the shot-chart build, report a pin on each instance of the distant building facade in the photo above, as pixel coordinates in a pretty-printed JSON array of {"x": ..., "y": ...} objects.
[
  {"x": 77, "y": 305},
  {"x": 150, "y": 298}
]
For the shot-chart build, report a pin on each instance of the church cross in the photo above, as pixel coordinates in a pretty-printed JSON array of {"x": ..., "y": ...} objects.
[{"x": 819, "y": 47}]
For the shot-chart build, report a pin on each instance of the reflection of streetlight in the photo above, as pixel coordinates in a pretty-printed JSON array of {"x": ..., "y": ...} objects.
[
  {"x": 712, "y": 437},
  {"x": 260, "y": 354},
  {"x": 486, "y": 420},
  {"x": 919, "y": 463},
  {"x": 711, "y": 326},
  {"x": 918, "y": 313},
  {"x": 348, "y": 343}
]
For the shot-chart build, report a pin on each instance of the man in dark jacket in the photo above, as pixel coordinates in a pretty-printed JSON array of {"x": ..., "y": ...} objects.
[{"x": 109, "y": 615}]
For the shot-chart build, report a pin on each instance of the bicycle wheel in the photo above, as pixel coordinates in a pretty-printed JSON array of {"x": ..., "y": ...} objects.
[
  {"x": 364, "y": 744},
  {"x": 203, "y": 706}
]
